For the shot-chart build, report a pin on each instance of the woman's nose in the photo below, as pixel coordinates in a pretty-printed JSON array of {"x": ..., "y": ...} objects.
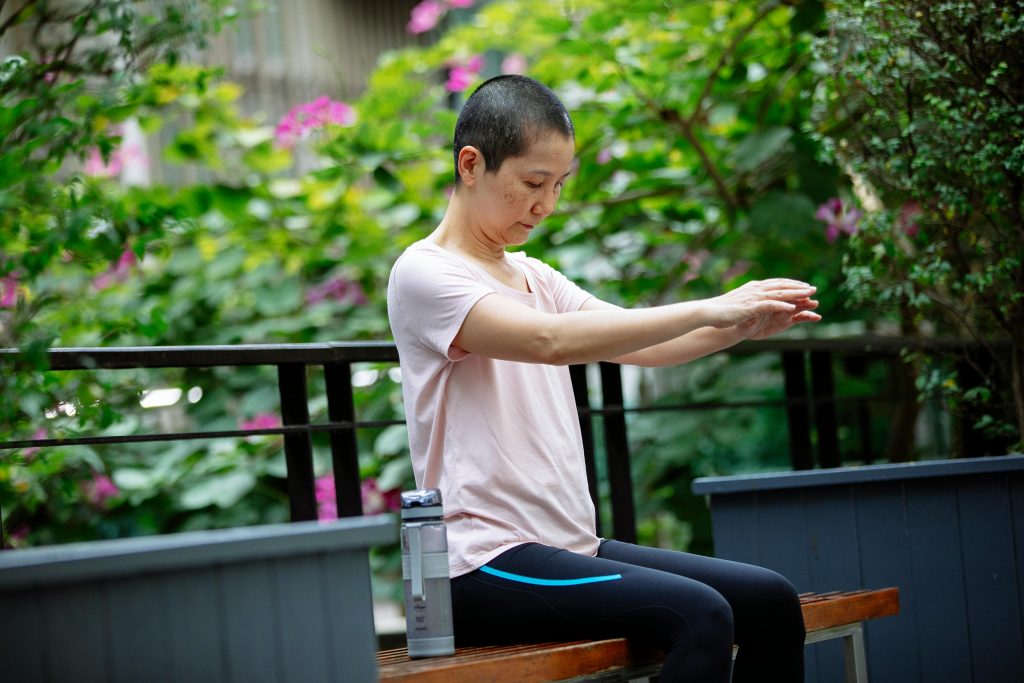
[{"x": 545, "y": 205}]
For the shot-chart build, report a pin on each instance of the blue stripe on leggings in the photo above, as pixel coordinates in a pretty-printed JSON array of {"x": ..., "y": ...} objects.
[{"x": 549, "y": 582}]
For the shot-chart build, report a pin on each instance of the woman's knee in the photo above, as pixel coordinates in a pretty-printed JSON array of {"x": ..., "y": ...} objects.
[{"x": 780, "y": 604}]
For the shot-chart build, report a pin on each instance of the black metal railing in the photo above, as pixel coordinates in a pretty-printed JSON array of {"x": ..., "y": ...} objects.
[{"x": 809, "y": 401}]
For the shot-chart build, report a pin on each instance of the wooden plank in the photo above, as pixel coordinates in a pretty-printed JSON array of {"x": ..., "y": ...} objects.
[
  {"x": 849, "y": 608},
  {"x": 22, "y": 645},
  {"x": 77, "y": 649},
  {"x": 557, "y": 661},
  {"x": 518, "y": 663},
  {"x": 195, "y": 626},
  {"x": 733, "y": 527},
  {"x": 938, "y": 615},
  {"x": 348, "y": 609},
  {"x": 300, "y": 608},
  {"x": 885, "y": 561},
  {"x": 252, "y": 644},
  {"x": 993, "y": 611},
  {"x": 832, "y": 556},
  {"x": 138, "y": 628}
]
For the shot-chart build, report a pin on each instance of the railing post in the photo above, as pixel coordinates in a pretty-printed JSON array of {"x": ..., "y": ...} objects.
[
  {"x": 795, "y": 376},
  {"x": 298, "y": 446},
  {"x": 344, "y": 446},
  {"x": 581, "y": 392},
  {"x": 825, "y": 424},
  {"x": 616, "y": 445}
]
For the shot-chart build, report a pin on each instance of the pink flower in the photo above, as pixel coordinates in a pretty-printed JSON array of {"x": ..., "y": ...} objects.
[
  {"x": 604, "y": 156},
  {"x": 96, "y": 167},
  {"x": 375, "y": 501},
  {"x": 838, "y": 218},
  {"x": 907, "y": 219},
  {"x": 513, "y": 64},
  {"x": 319, "y": 113},
  {"x": 19, "y": 533},
  {"x": 118, "y": 272},
  {"x": 425, "y": 16},
  {"x": 99, "y": 489},
  {"x": 460, "y": 76},
  {"x": 460, "y": 3},
  {"x": 30, "y": 452},
  {"x": 326, "y": 499},
  {"x": 9, "y": 291},
  {"x": 337, "y": 289},
  {"x": 261, "y": 421}
]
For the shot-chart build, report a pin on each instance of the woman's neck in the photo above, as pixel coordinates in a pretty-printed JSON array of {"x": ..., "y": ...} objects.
[{"x": 456, "y": 233}]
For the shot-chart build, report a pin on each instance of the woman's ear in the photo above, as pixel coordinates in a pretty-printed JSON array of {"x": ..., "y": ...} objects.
[{"x": 471, "y": 165}]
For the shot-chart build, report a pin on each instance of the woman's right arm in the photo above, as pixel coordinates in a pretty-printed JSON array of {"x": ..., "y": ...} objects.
[{"x": 499, "y": 327}]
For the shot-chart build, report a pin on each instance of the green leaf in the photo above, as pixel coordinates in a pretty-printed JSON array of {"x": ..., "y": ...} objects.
[{"x": 222, "y": 491}]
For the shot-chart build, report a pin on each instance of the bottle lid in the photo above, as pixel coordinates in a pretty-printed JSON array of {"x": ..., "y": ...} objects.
[{"x": 421, "y": 503}]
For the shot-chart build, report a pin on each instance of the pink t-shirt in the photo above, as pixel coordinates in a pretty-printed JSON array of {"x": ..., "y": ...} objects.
[{"x": 500, "y": 439}]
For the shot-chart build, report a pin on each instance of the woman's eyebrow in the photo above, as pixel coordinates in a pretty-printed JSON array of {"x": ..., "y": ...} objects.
[{"x": 543, "y": 172}]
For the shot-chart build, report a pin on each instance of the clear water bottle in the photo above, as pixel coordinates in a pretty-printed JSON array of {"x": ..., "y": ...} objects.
[{"x": 428, "y": 594}]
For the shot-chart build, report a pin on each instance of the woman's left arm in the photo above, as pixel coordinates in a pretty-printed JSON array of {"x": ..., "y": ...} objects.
[{"x": 707, "y": 340}]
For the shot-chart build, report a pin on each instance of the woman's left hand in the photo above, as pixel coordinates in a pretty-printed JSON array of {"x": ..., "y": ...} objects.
[{"x": 766, "y": 325}]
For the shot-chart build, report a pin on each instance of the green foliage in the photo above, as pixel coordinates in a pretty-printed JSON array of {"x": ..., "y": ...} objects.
[
  {"x": 926, "y": 102},
  {"x": 696, "y": 172}
]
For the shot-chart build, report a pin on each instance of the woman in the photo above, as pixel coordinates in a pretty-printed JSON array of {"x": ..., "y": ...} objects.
[{"x": 484, "y": 338}]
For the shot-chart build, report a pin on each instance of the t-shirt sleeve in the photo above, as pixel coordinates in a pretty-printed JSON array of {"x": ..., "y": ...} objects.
[
  {"x": 433, "y": 295},
  {"x": 567, "y": 294}
]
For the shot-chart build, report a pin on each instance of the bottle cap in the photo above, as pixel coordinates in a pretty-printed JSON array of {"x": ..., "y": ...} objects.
[{"x": 421, "y": 503}]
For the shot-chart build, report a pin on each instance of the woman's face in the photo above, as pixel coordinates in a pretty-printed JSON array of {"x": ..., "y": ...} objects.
[{"x": 510, "y": 203}]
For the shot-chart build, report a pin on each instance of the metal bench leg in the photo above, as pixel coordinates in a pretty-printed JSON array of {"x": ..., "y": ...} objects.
[
  {"x": 856, "y": 661},
  {"x": 853, "y": 644}
]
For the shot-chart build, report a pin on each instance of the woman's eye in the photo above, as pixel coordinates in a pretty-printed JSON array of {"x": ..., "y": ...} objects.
[{"x": 534, "y": 185}]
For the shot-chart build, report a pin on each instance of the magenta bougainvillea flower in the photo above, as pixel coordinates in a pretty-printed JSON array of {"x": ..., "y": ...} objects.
[
  {"x": 261, "y": 421},
  {"x": 9, "y": 291},
  {"x": 838, "y": 218},
  {"x": 462, "y": 74},
  {"x": 426, "y": 15},
  {"x": 99, "y": 489},
  {"x": 118, "y": 272},
  {"x": 907, "y": 218},
  {"x": 337, "y": 289},
  {"x": 319, "y": 113},
  {"x": 326, "y": 501}
]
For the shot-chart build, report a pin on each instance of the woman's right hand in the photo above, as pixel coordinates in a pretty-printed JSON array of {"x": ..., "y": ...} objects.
[{"x": 758, "y": 299}]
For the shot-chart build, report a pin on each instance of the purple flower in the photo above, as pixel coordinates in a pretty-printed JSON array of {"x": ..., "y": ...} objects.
[
  {"x": 425, "y": 16},
  {"x": 838, "y": 218},
  {"x": 337, "y": 289},
  {"x": 513, "y": 64},
  {"x": 375, "y": 501},
  {"x": 261, "y": 421},
  {"x": 30, "y": 453},
  {"x": 118, "y": 272},
  {"x": 326, "y": 500},
  {"x": 318, "y": 113},
  {"x": 907, "y": 218},
  {"x": 461, "y": 75},
  {"x": 9, "y": 291},
  {"x": 96, "y": 167},
  {"x": 99, "y": 489}
]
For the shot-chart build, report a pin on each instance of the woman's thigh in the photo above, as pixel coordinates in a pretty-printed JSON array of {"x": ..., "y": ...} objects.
[{"x": 535, "y": 592}]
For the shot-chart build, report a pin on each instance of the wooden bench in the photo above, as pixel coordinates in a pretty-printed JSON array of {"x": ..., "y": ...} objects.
[{"x": 826, "y": 615}]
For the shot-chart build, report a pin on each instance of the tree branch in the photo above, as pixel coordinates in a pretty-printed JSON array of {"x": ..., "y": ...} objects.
[
  {"x": 727, "y": 56},
  {"x": 13, "y": 19}
]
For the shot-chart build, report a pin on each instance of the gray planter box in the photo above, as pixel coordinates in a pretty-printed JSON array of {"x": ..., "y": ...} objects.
[
  {"x": 948, "y": 534},
  {"x": 288, "y": 602}
]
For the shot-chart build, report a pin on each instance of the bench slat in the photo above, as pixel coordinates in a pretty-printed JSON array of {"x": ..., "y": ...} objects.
[{"x": 534, "y": 663}]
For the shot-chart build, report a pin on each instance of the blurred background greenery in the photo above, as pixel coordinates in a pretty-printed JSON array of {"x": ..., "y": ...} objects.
[{"x": 219, "y": 173}]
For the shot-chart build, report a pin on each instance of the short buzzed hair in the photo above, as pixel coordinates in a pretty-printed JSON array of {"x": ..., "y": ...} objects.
[{"x": 505, "y": 115}]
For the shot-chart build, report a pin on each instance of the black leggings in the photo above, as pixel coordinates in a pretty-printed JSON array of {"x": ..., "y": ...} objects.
[{"x": 692, "y": 607}]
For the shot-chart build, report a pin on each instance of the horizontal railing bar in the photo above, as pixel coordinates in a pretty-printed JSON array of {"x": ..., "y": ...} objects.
[
  {"x": 89, "y": 358},
  {"x": 188, "y": 436}
]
